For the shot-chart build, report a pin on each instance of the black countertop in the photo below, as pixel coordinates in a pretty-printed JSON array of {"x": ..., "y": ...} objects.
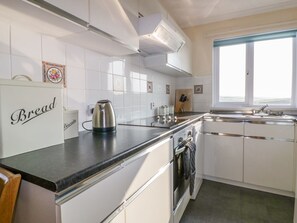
[{"x": 61, "y": 166}]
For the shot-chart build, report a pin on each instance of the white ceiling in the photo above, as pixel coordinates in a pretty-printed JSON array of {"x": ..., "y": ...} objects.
[{"x": 189, "y": 13}]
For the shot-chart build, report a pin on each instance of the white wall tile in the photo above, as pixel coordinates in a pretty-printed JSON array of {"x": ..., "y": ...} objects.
[
  {"x": 5, "y": 71},
  {"x": 26, "y": 66},
  {"x": 25, "y": 43},
  {"x": 75, "y": 56},
  {"x": 134, "y": 72},
  {"x": 128, "y": 99},
  {"x": 106, "y": 64},
  {"x": 118, "y": 83},
  {"x": 92, "y": 96},
  {"x": 93, "y": 80},
  {"x": 135, "y": 85},
  {"x": 143, "y": 86},
  {"x": 75, "y": 78},
  {"x": 76, "y": 100},
  {"x": 118, "y": 67},
  {"x": 53, "y": 50},
  {"x": 106, "y": 95},
  {"x": 118, "y": 99},
  {"x": 93, "y": 60},
  {"x": 106, "y": 82},
  {"x": 5, "y": 37}
]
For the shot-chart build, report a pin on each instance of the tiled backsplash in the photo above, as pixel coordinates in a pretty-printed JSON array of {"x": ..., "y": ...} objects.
[
  {"x": 90, "y": 76},
  {"x": 201, "y": 102}
]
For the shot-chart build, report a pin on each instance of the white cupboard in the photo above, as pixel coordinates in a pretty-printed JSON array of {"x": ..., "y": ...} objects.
[
  {"x": 254, "y": 153},
  {"x": 110, "y": 17},
  {"x": 269, "y": 155},
  {"x": 154, "y": 203},
  {"x": 120, "y": 218},
  {"x": 146, "y": 175},
  {"x": 118, "y": 187},
  {"x": 269, "y": 163},
  {"x": 80, "y": 8},
  {"x": 223, "y": 157}
]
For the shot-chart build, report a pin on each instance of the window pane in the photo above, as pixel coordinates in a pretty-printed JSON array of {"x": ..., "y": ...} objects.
[
  {"x": 273, "y": 71},
  {"x": 232, "y": 73}
]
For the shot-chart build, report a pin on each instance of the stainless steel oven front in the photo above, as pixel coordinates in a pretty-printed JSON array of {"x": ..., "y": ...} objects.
[{"x": 181, "y": 167}]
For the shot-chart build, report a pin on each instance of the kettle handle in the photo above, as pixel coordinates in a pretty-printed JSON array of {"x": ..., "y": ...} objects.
[{"x": 83, "y": 125}]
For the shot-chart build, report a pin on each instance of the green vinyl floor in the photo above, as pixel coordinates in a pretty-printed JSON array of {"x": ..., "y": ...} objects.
[{"x": 222, "y": 203}]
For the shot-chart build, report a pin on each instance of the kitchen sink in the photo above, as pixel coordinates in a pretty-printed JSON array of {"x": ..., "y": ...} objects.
[{"x": 259, "y": 117}]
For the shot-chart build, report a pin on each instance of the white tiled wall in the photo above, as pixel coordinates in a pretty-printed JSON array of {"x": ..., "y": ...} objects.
[
  {"x": 90, "y": 75},
  {"x": 201, "y": 102}
]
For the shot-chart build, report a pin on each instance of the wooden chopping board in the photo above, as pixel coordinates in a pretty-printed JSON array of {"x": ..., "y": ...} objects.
[{"x": 187, "y": 105}]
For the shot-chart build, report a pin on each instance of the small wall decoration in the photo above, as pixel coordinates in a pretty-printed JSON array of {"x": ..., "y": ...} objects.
[
  {"x": 198, "y": 89},
  {"x": 149, "y": 87},
  {"x": 53, "y": 73},
  {"x": 167, "y": 89}
]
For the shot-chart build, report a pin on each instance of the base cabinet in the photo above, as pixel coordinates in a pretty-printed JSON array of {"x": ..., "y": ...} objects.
[
  {"x": 223, "y": 157},
  {"x": 154, "y": 204},
  {"x": 137, "y": 189},
  {"x": 269, "y": 163},
  {"x": 256, "y": 153}
]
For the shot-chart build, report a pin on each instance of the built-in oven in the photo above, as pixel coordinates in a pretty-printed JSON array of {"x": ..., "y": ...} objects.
[{"x": 181, "y": 171}]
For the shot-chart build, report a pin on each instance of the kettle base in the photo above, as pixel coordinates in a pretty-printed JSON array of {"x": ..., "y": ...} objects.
[{"x": 103, "y": 130}]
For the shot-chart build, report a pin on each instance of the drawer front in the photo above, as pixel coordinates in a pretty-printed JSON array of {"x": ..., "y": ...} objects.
[
  {"x": 270, "y": 130},
  {"x": 97, "y": 202},
  {"x": 223, "y": 127}
]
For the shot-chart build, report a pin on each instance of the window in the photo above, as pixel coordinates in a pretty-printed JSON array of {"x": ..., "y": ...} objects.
[{"x": 255, "y": 70}]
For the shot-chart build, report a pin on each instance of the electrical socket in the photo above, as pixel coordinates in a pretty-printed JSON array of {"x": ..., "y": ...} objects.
[
  {"x": 90, "y": 109},
  {"x": 152, "y": 105}
]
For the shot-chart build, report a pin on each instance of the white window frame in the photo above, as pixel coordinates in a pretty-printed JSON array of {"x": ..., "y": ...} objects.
[{"x": 249, "y": 80}]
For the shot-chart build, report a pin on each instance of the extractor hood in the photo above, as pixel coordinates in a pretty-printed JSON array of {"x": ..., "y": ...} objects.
[{"x": 157, "y": 35}]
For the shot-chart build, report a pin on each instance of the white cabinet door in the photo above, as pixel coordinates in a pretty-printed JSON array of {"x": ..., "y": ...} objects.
[
  {"x": 185, "y": 55},
  {"x": 223, "y": 157},
  {"x": 79, "y": 8},
  {"x": 182, "y": 59},
  {"x": 154, "y": 204},
  {"x": 110, "y": 17},
  {"x": 269, "y": 163},
  {"x": 174, "y": 60},
  {"x": 120, "y": 218}
]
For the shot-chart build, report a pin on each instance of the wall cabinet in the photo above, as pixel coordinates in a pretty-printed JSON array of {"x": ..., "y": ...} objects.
[
  {"x": 110, "y": 17},
  {"x": 175, "y": 64},
  {"x": 98, "y": 25},
  {"x": 79, "y": 9},
  {"x": 120, "y": 218},
  {"x": 183, "y": 58}
]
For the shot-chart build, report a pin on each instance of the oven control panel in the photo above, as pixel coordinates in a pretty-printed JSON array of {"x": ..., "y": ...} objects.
[{"x": 182, "y": 135}]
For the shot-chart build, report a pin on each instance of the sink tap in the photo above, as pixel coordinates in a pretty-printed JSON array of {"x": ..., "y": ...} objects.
[{"x": 261, "y": 110}]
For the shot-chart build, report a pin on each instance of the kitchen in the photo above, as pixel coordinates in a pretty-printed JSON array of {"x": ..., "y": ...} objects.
[{"x": 95, "y": 44}]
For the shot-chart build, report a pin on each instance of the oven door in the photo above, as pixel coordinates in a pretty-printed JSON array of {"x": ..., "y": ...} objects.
[{"x": 181, "y": 172}]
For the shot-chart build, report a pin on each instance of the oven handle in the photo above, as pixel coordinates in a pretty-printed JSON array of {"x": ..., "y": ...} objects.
[
  {"x": 182, "y": 149},
  {"x": 179, "y": 150}
]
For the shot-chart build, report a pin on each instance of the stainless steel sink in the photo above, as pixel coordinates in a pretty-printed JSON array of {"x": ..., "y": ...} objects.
[{"x": 257, "y": 116}]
